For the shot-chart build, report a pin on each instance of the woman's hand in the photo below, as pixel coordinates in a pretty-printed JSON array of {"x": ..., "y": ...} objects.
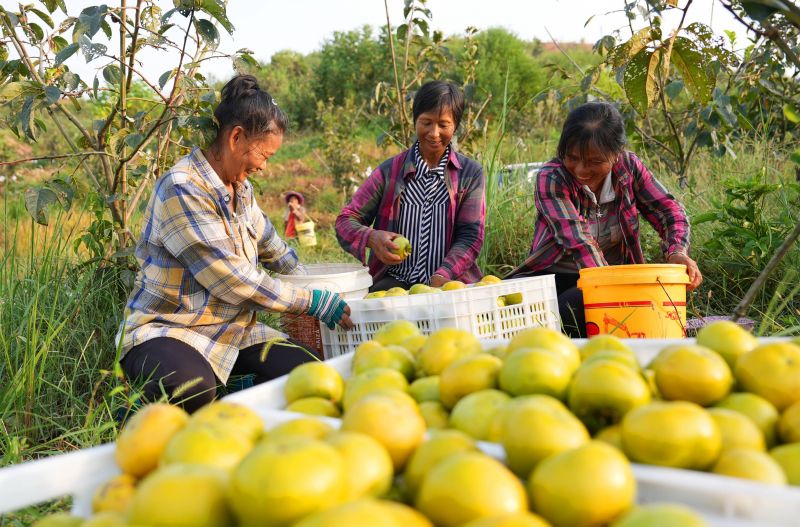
[
  {"x": 382, "y": 247},
  {"x": 695, "y": 277},
  {"x": 438, "y": 280},
  {"x": 330, "y": 308}
]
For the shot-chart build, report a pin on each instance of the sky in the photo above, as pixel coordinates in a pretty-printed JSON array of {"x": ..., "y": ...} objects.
[{"x": 267, "y": 26}]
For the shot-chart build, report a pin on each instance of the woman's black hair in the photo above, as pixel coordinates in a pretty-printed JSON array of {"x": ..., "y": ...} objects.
[
  {"x": 597, "y": 124},
  {"x": 434, "y": 96},
  {"x": 245, "y": 104}
]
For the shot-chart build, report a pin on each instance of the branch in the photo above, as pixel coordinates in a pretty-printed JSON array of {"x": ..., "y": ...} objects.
[
  {"x": 394, "y": 65},
  {"x": 44, "y": 158},
  {"x": 741, "y": 309},
  {"x": 553, "y": 40}
]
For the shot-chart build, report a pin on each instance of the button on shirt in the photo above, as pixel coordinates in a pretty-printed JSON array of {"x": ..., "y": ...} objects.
[{"x": 423, "y": 219}]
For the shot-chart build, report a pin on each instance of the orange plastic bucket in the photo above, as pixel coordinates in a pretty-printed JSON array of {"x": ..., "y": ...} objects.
[{"x": 635, "y": 301}]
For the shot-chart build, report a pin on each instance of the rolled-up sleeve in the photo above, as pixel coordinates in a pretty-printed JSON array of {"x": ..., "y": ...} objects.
[
  {"x": 353, "y": 225},
  {"x": 193, "y": 231}
]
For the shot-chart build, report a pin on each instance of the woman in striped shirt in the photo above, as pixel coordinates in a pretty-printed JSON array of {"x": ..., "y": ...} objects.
[
  {"x": 430, "y": 194},
  {"x": 588, "y": 201}
]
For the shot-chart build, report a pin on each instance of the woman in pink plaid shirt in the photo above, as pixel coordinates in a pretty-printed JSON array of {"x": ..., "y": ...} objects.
[{"x": 588, "y": 201}]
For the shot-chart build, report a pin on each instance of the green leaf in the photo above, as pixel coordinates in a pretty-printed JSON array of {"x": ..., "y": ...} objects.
[
  {"x": 45, "y": 18},
  {"x": 89, "y": 22},
  {"x": 26, "y": 118},
  {"x": 106, "y": 28},
  {"x": 795, "y": 157},
  {"x": 164, "y": 78},
  {"x": 59, "y": 43},
  {"x": 626, "y": 51},
  {"x": 37, "y": 201},
  {"x": 66, "y": 53},
  {"x": 791, "y": 113},
  {"x": 216, "y": 9},
  {"x": 64, "y": 191},
  {"x": 640, "y": 81},
  {"x": 760, "y": 10},
  {"x": 95, "y": 86},
  {"x": 36, "y": 31},
  {"x": 208, "y": 32},
  {"x": 112, "y": 74},
  {"x": 52, "y": 94},
  {"x": 133, "y": 140},
  {"x": 91, "y": 51},
  {"x": 692, "y": 66},
  {"x": 674, "y": 89}
]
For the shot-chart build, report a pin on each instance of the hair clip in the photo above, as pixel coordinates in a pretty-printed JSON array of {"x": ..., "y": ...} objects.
[{"x": 274, "y": 102}]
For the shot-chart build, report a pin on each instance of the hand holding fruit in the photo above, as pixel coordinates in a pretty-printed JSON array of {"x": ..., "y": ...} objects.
[
  {"x": 695, "y": 278},
  {"x": 438, "y": 280},
  {"x": 389, "y": 247}
]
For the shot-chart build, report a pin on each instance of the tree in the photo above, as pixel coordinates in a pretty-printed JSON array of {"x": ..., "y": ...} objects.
[{"x": 128, "y": 141}]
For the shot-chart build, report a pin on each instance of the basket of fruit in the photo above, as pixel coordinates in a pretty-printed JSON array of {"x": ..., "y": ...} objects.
[{"x": 490, "y": 309}]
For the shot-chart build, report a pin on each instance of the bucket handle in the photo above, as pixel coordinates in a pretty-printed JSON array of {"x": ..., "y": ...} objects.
[{"x": 677, "y": 314}]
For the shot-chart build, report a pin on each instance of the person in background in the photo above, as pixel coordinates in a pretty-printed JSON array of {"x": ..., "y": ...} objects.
[
  {"x": 296, "y": 213},
  {"x": 588, "y": 200},
  {"x": 430, "y": 194},
  {"x": 204, "y": 251}
]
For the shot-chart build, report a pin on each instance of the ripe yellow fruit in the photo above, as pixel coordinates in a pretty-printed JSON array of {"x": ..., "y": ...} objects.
[
  {"x": 623, "y": 357},
  {"x": 788, "y": 457},
  {"x": 692, "y": 373},
  {"x": 611, "y": 435},
  {"x": 403, "y": 247},
  {"x": 674, "y": 434},
  {"x": 535, "y": 370},
  {"x": 789, "y": 424},
  {"x": 440, "y": 445},
  {"x": 206, "y": 444},
  {"x": 368, "y": 466},
  {"x": 728, "y": 339},
  {"x": 737, "y": 430},
  {"x": 391, "y": 356},
  {"x": 749, "y": 464},
  {"x": 143, "y": 439},
  {"x": 182, "y": 496},
  {"x": 604, "y": 343},
  {"x": 396, "y": 291},
  {"x": 414, "y": 343},
  {"x": 771, "y": 370},
  {"x": 468, "y": 486},
  {"x": 491, "y": 279},
  {"x": 366, "y": 513},
  {"x": 315, "y": 406},
  {"x": 231, "y": 416},
  {"x": 425, "y": 389},
  {"x": 420, "y": 289},
  {"x": 115, "y": 495},
  {"x": 756, "y": 408},
  {"x": 298, "y": 429},
  {"x": 452, "y": 285},
  {"x": 589, "y": 485},
  {"x": 106, "y": 519},
  {"x": 59, "y": 519},
  {"x": 435, "y": 414},
  {"x": 396, "y": 332},
  {"x": 280, "y": 483},
  {"x": 314, "y": 379},
  {"x": 475, "y": 413},
  {"x": 379, "y": 379},
  {"x": 444, "y": 347},
  {"x": 367, "y": 346},
  {"x": 556, "y": 430},
  {"x": 661, "y": 515},
  {"x": 548, "y": 339},
  {"x": 467, "y": 375},
  {"x": 391, "y": 418},
  {"x": 513, "y": 299},
  {"x": 603, "y": 391},
  {"x": 520, "y": 519}
]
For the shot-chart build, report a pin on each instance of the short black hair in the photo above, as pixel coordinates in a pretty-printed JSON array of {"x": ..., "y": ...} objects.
[
  {"x": 245, "y": 104},
  {"x": 434, "y": 96},
  {"x": 597, "y": 124}
]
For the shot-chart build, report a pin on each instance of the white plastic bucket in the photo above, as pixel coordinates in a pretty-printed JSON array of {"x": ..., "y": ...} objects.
[{"x": 351, "y": 280}]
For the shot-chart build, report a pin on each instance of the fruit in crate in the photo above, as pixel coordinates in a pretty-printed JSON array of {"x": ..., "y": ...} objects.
[
  {"x": 788, "y": 457},
  {"x": 756, "y": 408},
  {"x": 453, "y": 285},
  {"x": 728, "y": 339},
  {"x": 435, "y": 414},
  {"x": 604, "y": 343},
  {"x": 676, "y": 434},
  {"x": 392, "y": 356},
  {"x": 369, "y": 469},
  {"x": 425, "y": 389},
  {"x": 693, "y": 373},
  {"x": 206, "y": 444},
  {"x": 737, "y": 430},
  {"x": 749, "y": 464},
  {"x": 520, "y": 519},
  {"x": 513, "y": 299},
  {"x": 467, "y": 375},
  {"x": 445, "y": 347},
  {"x": 298, "y": 430},
  {"x": 419, "y": 289},
  {"x": 366, "y": 512},
  {"x": 660, "y": 515},
  {"x": 379, "y": 379},
  {"x": 475, "y": 414},
  {"x": 115, "y": 494},
  {"x": 315, "y": 406},
  {"x": 403, "y": 247},
  {"x": 586, "y": 486},
  {"x": 440, "y": 445},
  {"x": 548, "y": 339},
  {"x": 535, "y": 370},
  {"x": 789, "y": 424},
  {"x": 144, "y": 437},
  {"x": 396, "y": 332},
  {"x": 771, "y": 370},
  {"x": 375, "y": 294},
  {"x": 489, "y": 279},
  {"x": 239, "y": 418},
  {"x": 314, "y": 379}
]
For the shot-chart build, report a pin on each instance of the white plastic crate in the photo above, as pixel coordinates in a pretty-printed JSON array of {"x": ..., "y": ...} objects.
[{"x": 473, "y": 309}]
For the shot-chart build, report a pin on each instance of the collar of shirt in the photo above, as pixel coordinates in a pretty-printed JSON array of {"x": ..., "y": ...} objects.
[
  {"x": 607, "y": 194},
  {"x": 410, "y": 167},
  {"x": 208, "y": 174}
]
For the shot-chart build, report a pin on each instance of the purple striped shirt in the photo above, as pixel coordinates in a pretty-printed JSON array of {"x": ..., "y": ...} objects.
[
  {"x": 562, "y": 226},
  {"x": 376, "y": 206}
]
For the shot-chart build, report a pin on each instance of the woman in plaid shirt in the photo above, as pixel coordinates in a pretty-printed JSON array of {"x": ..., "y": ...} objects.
[
  {"x": 588, "y": 201},
  {"x": 191, "y": 317}
]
